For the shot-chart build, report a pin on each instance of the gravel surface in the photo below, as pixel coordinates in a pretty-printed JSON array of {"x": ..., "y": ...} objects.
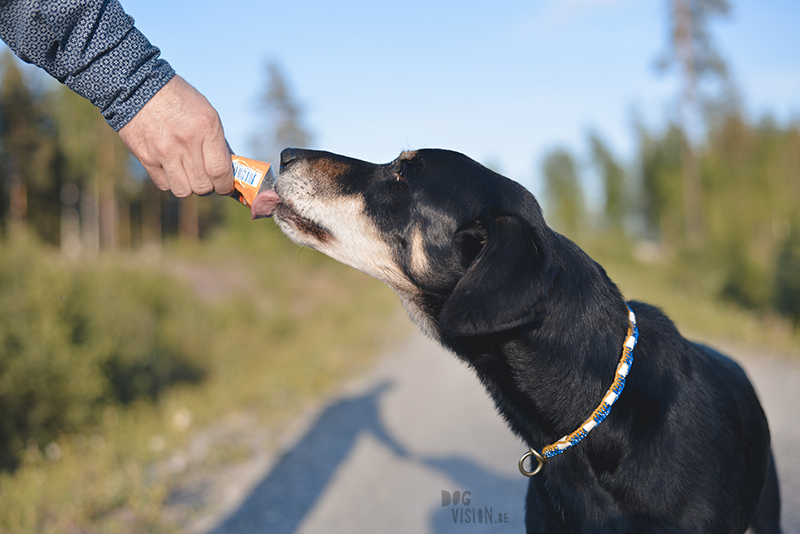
[{"x": 417, "y": 447}]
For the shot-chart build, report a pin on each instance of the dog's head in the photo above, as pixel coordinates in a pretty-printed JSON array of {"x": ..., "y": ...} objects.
[{"x": 461, "y": 245}]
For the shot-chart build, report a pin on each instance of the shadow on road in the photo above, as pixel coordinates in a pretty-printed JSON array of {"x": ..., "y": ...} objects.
[
  {"x": 290, "y": 491},
  {"x": 298, "y": 480}
]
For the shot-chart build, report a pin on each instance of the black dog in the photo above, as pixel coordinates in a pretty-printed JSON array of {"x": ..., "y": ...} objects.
[{"x": 685, "y": 449}]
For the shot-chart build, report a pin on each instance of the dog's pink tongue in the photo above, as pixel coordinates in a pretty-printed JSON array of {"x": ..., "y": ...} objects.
[{"x": 264, "y": 204}]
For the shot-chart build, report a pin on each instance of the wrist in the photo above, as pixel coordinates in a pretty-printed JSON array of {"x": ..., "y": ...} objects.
[{"x": 121, "y": 81}]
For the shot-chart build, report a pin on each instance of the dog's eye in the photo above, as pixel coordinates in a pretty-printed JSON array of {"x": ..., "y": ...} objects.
[
  {"x": 400, "y": 172},
  {"x": 397, "y": 170}
]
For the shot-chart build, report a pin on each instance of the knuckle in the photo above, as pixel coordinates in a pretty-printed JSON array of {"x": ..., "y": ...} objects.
[
  {"x": 204, "y": 189},
  {"x": 183, "y": 135},
  {"x": 208, "y": 117},
  {"x": 159, "y": 181},
  {"x": 225, "y": 189},
  {"x": 219, "y": 168}
]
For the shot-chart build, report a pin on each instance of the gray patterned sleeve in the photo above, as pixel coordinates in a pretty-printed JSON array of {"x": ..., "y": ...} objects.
[{"x": 92, "y": 47}]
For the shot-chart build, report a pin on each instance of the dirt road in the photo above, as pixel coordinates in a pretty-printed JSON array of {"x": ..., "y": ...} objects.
[{"x": 410, "y": 451}]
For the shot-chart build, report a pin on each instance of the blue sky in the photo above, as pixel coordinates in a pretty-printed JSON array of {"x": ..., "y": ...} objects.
[{"x": 502, "y": 82}]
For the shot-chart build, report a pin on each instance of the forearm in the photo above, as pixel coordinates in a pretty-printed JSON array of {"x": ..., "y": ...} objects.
[{"x": 92, "y": 47}]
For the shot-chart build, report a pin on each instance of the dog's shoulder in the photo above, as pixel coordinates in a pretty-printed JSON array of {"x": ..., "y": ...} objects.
[{"x": 689, "y": 373}]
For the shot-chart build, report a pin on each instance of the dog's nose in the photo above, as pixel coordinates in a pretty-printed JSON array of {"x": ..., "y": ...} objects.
[{"x": 288, "y": 155}]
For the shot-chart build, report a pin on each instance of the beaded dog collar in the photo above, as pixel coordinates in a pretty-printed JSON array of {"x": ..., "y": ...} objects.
[{"x": 599, "y": 414}]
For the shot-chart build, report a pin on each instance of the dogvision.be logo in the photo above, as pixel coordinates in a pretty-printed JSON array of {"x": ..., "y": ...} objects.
[{"x": 465, "y": 512}]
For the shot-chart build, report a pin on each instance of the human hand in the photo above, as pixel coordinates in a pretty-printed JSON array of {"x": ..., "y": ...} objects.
[{"x": 178, "y": 138}]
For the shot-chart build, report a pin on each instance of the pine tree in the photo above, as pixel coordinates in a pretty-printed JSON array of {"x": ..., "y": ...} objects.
[
  {"x": 696, "y": 59},
  {"x": 660, "y": 175},
  {"x": 95, "y": 163},
  {"x": 563, "y": 192},
  {"x": 282, "y": 124},
  {"x": 613, "y": 177},
  {"x": 26, "y": 152}
]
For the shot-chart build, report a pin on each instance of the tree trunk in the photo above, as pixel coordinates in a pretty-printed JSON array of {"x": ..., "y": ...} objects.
[
  {"x": 683, "y": 42},
  {"x": 151, "y": 218},
  {"x": 90, "y": 218},
  {"x": 18, "y": 202},
  {"x": 188, "y": 220},
  {"x": 70, "y": 224}
]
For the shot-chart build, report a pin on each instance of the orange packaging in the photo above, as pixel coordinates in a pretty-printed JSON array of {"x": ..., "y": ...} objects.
[{"x": 250, "y": 177}]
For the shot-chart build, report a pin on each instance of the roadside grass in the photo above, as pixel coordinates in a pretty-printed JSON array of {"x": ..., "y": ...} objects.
[{"x": 285, "y": 326}]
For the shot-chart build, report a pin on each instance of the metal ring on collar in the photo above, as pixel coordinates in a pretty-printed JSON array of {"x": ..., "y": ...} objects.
[{"x": 539, "y": 458}]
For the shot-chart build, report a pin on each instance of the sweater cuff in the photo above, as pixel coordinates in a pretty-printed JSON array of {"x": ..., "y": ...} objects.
[{"x": 121, "y": 81}]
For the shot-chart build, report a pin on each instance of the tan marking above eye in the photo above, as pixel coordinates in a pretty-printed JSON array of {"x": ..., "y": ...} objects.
[{"x": 329, "y": 169}]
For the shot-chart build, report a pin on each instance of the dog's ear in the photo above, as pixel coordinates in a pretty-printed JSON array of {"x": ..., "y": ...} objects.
[{"x": 506, "y": 284}]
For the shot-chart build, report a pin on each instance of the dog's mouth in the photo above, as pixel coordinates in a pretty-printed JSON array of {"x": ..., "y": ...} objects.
[
  {"x": 265, "y": 204},
  {"x": 285, "y": 213},
  {"x": 268, "y": 204}
]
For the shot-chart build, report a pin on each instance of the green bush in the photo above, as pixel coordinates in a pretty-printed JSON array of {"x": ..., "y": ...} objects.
[
  {"x": 73, "y": 340},
  {"x": 787, "y": 279},
  {"x": 745, "y": 284},
  {"x": 145, "y": 332},
  {"x": 277, "y": 326}
]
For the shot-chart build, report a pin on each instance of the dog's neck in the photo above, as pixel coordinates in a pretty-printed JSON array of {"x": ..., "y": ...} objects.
[{"x": 541, "y": 393}]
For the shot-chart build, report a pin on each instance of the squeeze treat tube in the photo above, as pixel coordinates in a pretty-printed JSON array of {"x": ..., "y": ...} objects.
[{"x": 250, "y": 177}]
